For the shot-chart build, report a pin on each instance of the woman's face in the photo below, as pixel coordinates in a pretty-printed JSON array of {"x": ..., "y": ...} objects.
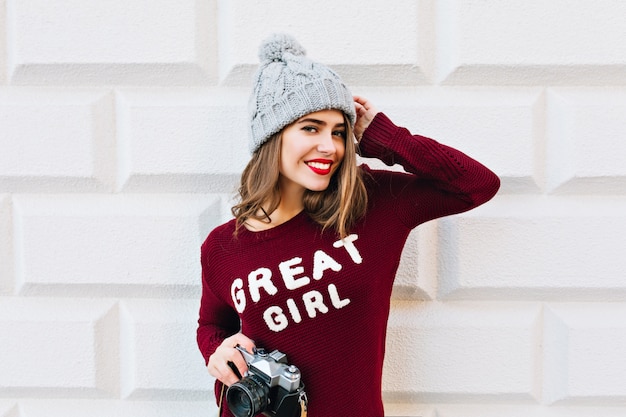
[{"x": 312, "y": 150}]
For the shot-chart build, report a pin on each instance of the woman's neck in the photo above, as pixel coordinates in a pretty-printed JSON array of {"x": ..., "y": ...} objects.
[
  {"x": 273, "y": 219},
  {"x": 290, "y": 206}
]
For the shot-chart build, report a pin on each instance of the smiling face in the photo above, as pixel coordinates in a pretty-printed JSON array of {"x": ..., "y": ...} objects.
[{"x": 312, "y": 150}]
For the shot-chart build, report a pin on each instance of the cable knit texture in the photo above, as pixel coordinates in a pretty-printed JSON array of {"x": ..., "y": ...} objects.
[{"x": 288, "y": 85}]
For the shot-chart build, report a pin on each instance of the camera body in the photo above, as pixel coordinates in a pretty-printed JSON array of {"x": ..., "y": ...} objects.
[{"x": 271, "y": 386}]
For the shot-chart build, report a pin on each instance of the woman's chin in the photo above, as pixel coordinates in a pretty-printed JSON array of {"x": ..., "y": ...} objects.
[{"x": 318, "y": 187}]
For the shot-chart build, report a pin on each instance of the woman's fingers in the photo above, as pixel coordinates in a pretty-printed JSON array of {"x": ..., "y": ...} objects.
[{"x": 226, "y": 356}]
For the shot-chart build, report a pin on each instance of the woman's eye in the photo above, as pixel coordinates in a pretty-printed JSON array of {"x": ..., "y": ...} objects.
[
  {"x": 340, "y": 133},
  {"x": 311, "y": 129}
]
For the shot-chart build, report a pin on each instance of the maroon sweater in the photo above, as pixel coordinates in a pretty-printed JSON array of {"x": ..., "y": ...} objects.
[{"x": 323, "y": 301}]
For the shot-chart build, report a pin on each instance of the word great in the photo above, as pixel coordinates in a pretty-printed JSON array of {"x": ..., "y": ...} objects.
[{"x": 292, "y": 273}]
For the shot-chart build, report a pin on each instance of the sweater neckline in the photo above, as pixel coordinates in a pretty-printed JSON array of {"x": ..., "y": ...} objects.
[{"x": 280, "y": 230}]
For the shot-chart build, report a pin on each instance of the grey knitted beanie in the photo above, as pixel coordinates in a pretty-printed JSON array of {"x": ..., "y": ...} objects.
[{"x": 288, "y": 85}]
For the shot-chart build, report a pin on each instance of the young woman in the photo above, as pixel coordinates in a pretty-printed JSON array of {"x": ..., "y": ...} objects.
[{"x": 307, "y": 265}]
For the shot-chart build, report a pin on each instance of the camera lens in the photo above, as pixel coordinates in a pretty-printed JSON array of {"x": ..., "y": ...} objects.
[{"x": 248, "y": 397}]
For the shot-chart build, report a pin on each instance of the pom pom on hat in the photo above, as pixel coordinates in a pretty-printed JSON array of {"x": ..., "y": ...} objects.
[
  {"x": 288, "y": 85},
  {"x": 274, "y": 47}
]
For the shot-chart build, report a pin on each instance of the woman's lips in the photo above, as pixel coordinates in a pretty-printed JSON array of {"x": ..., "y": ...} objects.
[{"x": 320, "y": 166}]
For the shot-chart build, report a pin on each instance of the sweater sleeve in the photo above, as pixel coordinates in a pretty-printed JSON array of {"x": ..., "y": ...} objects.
[
  {"x": 441, "y": 180},
  {"x": 217, "y": 320}
]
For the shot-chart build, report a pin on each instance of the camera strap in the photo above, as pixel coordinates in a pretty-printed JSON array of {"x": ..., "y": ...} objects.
[
  {"x": 303, "y": 400},
  {"x": 219, "y": 408}
]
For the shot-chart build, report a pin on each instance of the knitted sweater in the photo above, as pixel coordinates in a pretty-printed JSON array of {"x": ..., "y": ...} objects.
[{"x": 324, "y": 301}]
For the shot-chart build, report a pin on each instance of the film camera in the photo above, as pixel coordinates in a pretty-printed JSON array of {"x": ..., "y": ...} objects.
[{"x": 270, "y": 386}]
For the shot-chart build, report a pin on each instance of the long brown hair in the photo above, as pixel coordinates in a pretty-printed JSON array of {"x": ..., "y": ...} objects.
[{"x": 339, "y": 207}]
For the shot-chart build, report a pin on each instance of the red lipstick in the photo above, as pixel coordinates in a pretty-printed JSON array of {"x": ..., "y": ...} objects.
[{"x": 320, "y": 166}]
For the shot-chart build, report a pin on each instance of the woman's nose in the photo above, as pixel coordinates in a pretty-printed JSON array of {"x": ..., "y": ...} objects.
[{"x": 326, "y": 145}]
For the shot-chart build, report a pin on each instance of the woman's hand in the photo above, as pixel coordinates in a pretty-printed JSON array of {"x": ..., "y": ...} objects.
[
  {"x": 218, "y": 365},
  {"x": 365, "y": 112}
]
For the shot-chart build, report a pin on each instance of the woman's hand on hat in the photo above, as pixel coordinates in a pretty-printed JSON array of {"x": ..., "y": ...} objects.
[
  {"x": 220, "y": 361},
  {"x": 365, "y": 113}
]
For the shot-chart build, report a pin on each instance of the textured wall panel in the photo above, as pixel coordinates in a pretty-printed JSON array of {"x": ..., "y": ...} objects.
[
  {"x": 586, "y": 149},
  {"x": 482, "y": 410},
  {"x": 182, "y": 140},
  {"x": 92, "y": 42},
  {"x": 6, "y": 246},
  {"x": 463, "y": 352},
  {"x": 58, "y": 348},
  {"x": 371, "y": 50},
  {"x": 518, "y": 248},
  {"x": 9, "y": 409},
  {"x": 502, "y": 128},
  {"x": 534, "y": 248},
  {"x": 409, "y": 410},
  {"x": 109, "y": 408},
  {"x": 168, "y": 367},
  {"x": 584, "y": 358},
  {"x": 417, "y": 273},
  {"x": 56, "y": 140},
  {"x": 520, "y": 43},
  {"x": 3, "y": 44},
  {"x": 103, "y": 245}
]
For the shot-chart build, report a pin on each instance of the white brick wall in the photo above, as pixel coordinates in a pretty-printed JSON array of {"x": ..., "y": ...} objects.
[
  {"x": 88, "y": 41},
  {"x": 56, "y": 139},
  {"x": 55, "y": 347},
  {"x": 166, "y": 137},
  {"x": 585, "y": 130},
  {"x": 531, "y": 42},
  {"x": 122, "y": 136},
  {"x": 110, "y": 244}
]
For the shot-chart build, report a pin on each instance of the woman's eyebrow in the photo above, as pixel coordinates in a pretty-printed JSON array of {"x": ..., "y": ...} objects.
[
  {"x": 311, "y": 120},
  {"x": 319, "y": 122}
]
